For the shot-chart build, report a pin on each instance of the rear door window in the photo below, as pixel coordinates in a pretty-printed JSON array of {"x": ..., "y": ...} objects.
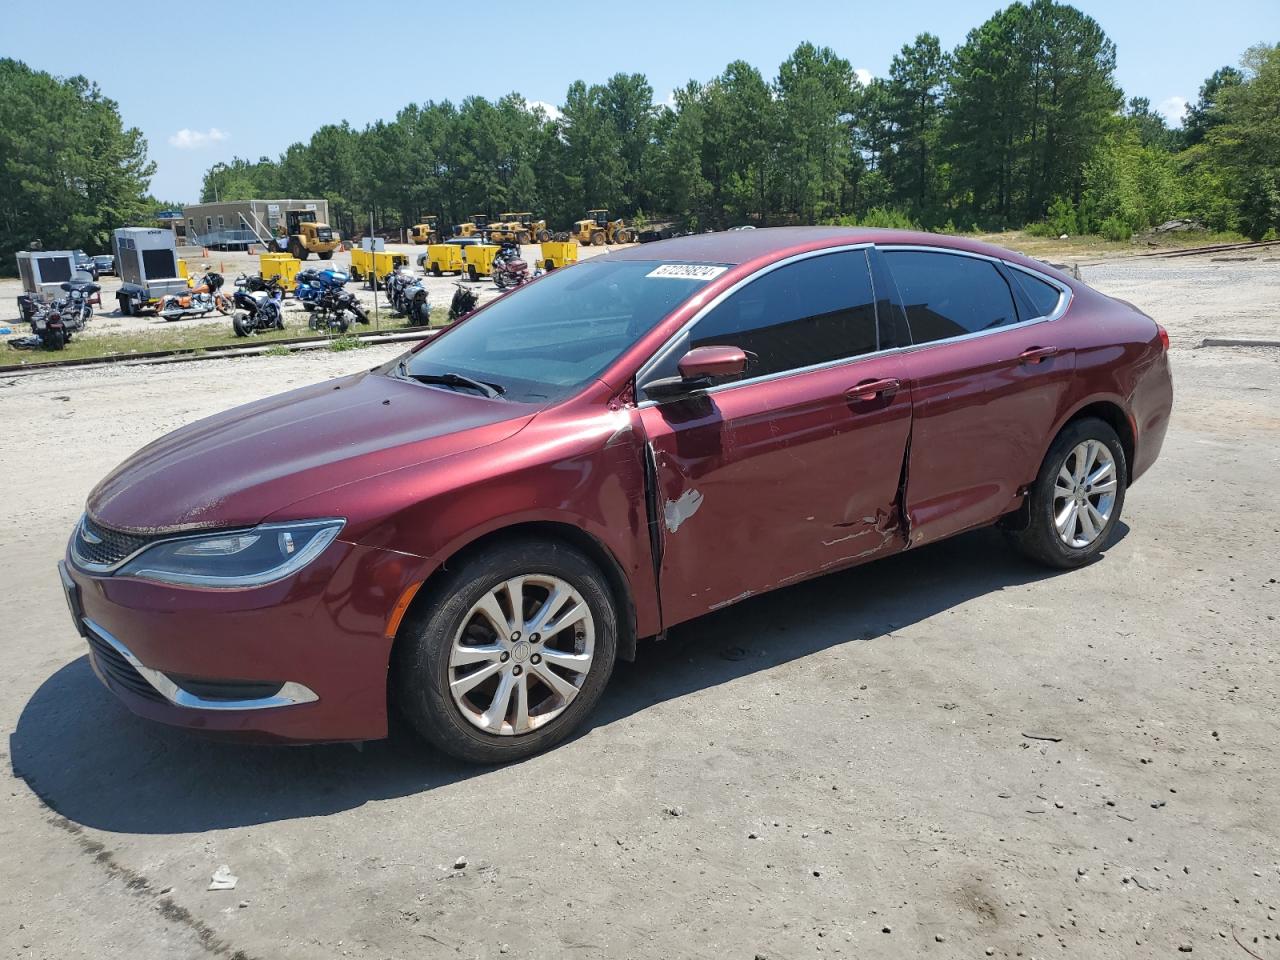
[{"x": 950, "y": 295}]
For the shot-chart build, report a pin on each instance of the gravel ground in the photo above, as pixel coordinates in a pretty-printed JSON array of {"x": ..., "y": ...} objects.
[
  {"x": 108, "y": 319},
  {"x": 947, "y": 753}
]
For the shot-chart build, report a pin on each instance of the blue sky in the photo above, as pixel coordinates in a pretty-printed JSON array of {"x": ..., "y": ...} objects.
[{"x": 193, "y": 78}]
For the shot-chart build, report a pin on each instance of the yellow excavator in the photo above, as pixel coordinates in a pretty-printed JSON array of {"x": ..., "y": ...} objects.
[
  {"x": 478, "y": 224},
  {"x": 307, "y": 236},
  {"x": 519, "y": 228},
  {"x": 428, "y": 231},
  {"x": 598, "y": 229}
]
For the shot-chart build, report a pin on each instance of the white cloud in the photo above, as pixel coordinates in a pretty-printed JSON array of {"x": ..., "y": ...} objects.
[
  {"x": 186, "y": 139},
  {"x": 863, "y": 75},
  {"x": 1173, "y": 109},
  {"x": 552, "y": 111}
]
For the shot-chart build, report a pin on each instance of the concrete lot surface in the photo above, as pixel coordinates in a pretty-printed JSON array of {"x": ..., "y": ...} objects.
[{"x": 949, "y": 753}]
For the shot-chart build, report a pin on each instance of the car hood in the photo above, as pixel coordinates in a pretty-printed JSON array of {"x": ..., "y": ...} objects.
[{"x": 241, "y": 466}]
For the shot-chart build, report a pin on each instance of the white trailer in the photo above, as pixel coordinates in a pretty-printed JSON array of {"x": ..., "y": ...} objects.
[
  {"x": 43, "y": 272},
  {"x": 147, "y": 264}
]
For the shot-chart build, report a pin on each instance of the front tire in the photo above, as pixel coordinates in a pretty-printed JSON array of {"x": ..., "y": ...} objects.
[
  {"x": 1075, "y": 503},
  {"x": 490, "y": 683}
]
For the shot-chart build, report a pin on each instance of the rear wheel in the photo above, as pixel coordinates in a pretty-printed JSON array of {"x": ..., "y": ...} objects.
[
  {"x": 326, "y": 255},
  {"x": 510, "y": 654},
  {"x": 471, "y": 273},
  {"x": 435, "y": 269},
  {"x": 597, "y": 238},
  {"x": 53, "y": 338},
  {"x": 544, "y": 236},
  {"x": 126, "y": 304},
  {"x": 522, "y": 236},
  {"x": 1075, "y": 502},
  {"x": 240, "y": 324}
]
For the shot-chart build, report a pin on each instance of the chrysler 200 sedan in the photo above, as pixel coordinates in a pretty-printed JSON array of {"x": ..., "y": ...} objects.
[{"x": 474, "y": 532}]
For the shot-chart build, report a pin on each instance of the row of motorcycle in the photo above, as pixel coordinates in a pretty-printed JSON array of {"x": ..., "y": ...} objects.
[{"x": 322, "y": 293}]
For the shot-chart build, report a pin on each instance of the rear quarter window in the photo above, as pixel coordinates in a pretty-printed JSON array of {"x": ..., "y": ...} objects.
[{"x": 1044, "y": 296}]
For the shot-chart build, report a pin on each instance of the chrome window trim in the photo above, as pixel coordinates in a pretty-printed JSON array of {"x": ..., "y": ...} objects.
[
  {"x": 1064, "y": 301},
  {"x": 289, "y": 693},
  {"x": 1064, "y": 298}
]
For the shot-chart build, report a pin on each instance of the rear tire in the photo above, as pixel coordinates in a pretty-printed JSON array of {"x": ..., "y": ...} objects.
[
  {"x": 421, "y": 670},
  {"x": 240, "y": 326},
  {"x": 327, "y": 255},
  {"x": 597, "y": 238},
  {"x": 435, "y": 269},
  {"x": 1082, "y": 450},
  {"x": 126, "y": 304}
]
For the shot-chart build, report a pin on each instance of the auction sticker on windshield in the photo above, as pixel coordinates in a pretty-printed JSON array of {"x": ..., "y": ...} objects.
[{"x": 687, "y": 271}]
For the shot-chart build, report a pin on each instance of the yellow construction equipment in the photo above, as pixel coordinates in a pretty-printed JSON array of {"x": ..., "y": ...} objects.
[
  {"x": 373, "y": 265},
  {"x": 480, "y": 259},
  {"x": 307, "y": 236},
  {"x": 598, "y": 229},
  {"x": 443, "y": 258},
  {"x": 519, "y": 228},
  {"x": 557, "y": 253},
  {"x": 425, "y": 232},
  {"x": 282, "y": 267},
  {"x": 478, "y": 224}
]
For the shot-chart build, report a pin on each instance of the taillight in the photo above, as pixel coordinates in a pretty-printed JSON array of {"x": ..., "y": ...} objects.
[{"x": 1164, "y": 336}]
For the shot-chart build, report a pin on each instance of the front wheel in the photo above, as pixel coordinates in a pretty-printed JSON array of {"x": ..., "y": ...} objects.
[
  {"x": 510, "y": 654},
  {"x": 1075, "y": 502}
]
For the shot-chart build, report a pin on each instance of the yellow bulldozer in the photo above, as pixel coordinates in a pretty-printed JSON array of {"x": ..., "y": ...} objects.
[
  {"x": 519, "y": 228},
  {"x": 426, "y": 232},
  {"x": 598, "y": 229},
  {"x": 476, "y": 226},
  {"x": 305, "y": 235}
]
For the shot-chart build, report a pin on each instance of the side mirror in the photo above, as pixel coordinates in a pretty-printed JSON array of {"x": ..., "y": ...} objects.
[{"x": 698, "y": 369}]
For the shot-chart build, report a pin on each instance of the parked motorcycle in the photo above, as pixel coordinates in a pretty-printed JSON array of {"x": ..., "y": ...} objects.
[
  {"x": 75, "y": 306},
  {"x": 509, "y": 268},
  {"x": 56, "y": 322},
  {"x": 257, "y": 306},
  {"x": 463, "y": 303},
  {"x": 408, "y": 296},
  {"x": 330, "y": 311},
  {"x": 205, "y": 297},
  {"x": 312, "y": 285}
]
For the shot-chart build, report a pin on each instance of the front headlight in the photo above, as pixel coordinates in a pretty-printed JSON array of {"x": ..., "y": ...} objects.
[{"x": 242, "y": 558}]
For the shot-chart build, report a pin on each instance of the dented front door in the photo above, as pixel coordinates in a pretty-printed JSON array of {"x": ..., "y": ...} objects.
[{"x": 762, "y": 484}]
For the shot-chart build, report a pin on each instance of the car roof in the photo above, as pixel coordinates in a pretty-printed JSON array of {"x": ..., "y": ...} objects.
[{"x": 772, "y": 243}]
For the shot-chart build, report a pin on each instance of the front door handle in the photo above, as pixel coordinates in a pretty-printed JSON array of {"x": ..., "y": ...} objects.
[
  {"x": 871, "y": 389},
  {"x": 1036, "y": 354}
]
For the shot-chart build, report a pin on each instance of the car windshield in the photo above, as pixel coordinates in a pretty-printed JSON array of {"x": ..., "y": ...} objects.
[{"x": 545, "y": 341}]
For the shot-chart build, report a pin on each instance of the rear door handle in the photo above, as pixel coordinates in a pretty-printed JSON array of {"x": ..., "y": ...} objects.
[
  {"x": 1036, "y": 354},
  {"x": 870, "y": 389}
]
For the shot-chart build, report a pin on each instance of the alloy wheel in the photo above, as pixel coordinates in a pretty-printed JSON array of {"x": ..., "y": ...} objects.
[
  {"x": 522, "y": 654},
  {"x": 1084, "y": 493}
]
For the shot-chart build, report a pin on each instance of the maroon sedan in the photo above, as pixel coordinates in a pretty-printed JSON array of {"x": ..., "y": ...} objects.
[{"x": 476, "y": 531}]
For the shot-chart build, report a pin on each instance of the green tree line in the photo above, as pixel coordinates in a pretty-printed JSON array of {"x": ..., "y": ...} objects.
[
  {"x": 70, "y": 171},
  {"x": 1023, "y": 123}
]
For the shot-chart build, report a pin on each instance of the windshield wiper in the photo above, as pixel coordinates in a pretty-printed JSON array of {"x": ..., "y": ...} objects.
[{"x": 491, "y": 390}]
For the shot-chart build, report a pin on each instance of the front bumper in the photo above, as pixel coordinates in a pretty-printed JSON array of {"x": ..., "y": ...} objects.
[{"x": 300, "y": 660}]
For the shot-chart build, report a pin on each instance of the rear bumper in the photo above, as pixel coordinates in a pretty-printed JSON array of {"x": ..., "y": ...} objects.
[{"x": 301, "y": 660}]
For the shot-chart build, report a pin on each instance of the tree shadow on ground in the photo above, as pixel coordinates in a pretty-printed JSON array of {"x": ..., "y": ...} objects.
[{"x": 96, "y": 764}]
